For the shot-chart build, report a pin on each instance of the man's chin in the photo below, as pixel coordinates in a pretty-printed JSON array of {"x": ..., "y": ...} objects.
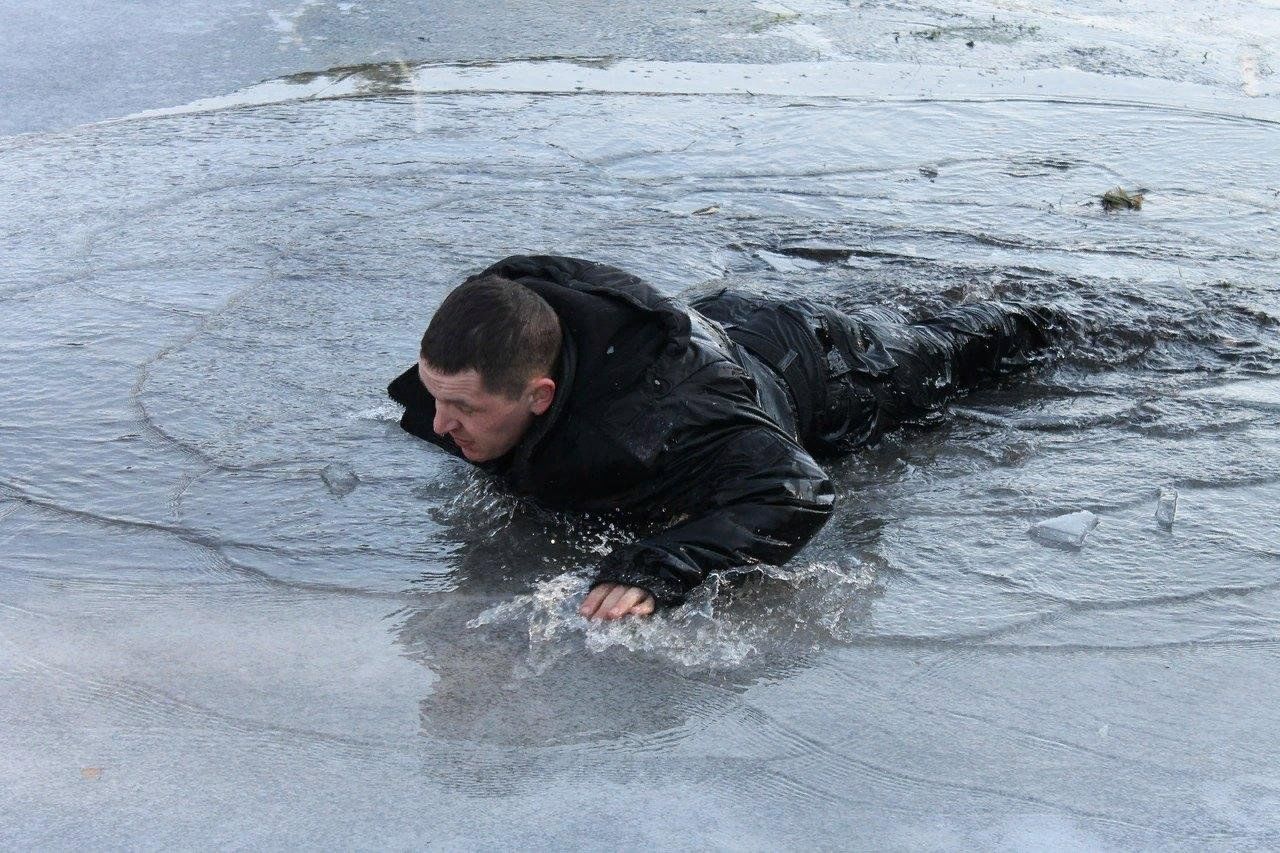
[{"x": 472, "y": 454}]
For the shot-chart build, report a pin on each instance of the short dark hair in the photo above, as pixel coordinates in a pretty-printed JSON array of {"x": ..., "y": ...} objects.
[{"x": 500, "y": 328}]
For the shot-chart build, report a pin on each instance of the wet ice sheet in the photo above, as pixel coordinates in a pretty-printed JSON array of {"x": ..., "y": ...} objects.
[
  {"x": 826, "y": 79},
  {"x": 236, "y": 705},
  {"x": 201, "y": 311},
  {"x": 175, "y": 51}
]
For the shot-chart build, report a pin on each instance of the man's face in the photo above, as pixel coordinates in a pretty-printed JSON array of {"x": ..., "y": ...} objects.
[{"x": 483, "y": 425}]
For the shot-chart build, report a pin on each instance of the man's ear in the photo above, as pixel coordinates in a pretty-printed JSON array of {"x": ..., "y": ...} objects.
[{"x": 541, "y": 393}]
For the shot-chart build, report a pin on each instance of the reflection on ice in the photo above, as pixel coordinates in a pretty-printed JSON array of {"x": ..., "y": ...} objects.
[{"x": 518, "y": 666}]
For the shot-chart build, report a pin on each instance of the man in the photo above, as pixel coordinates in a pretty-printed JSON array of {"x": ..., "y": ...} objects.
[{"x": 584, "y": 388}]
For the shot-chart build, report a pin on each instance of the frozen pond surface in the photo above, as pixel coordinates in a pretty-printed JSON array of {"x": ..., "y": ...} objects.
[{"x": 238, "y": 607}]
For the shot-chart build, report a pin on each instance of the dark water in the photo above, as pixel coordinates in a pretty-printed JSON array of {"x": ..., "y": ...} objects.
[{"x": 201, "y": 311}]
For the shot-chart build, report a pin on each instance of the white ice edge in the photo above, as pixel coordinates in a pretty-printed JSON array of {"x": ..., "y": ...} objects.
[
  {"x": 1261, "y": 393},
  {"x": 862, "y": 81}
]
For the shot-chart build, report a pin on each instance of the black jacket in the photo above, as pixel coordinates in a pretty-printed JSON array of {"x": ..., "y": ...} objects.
[{"x": 656, "y": 412}]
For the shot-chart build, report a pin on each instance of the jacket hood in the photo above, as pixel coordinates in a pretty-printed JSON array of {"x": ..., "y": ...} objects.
[{"x": 547, "y": 273}]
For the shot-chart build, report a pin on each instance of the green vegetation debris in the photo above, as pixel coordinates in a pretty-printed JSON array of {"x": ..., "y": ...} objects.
[
  {"x": 994, "y": 32},
  {"x": 1118, "y": 199},
  {"x": 774, "y": 20}
]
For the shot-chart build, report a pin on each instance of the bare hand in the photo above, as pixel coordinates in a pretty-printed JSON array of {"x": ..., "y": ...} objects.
[{"x": 615, "y": 600}]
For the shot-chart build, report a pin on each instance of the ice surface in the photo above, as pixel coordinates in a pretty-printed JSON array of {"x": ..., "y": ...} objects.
[
  {"x": 200, "y": 646},
  {"x": 1070, "y": 529}
]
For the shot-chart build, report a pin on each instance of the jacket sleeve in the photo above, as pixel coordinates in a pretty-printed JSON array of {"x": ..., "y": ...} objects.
[{"x": 756, "y": 497}]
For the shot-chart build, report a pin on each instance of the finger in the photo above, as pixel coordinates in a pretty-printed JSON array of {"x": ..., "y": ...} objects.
[
  {"x": 594, "y": 597},
  {"x": 646, "y": 607},
  {"x": 606, "y": 608},
  {"x": 632, "y": 596}
]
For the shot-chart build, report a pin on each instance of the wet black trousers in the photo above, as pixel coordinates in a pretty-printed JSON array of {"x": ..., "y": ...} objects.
[{"x": 854, "y": 377}]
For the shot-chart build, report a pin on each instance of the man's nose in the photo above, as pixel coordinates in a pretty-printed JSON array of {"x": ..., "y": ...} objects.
[{"x": 443, "y": 424}]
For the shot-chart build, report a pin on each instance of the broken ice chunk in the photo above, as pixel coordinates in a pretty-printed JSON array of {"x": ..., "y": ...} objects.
[
  {"x": 1167, "y": 507},
  {"x": 1069, "y": 529},
  {"x": 340, "y": 478}
]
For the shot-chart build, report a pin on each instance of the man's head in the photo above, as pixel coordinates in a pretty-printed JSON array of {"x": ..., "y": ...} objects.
[{"x": 487, "y": 358}]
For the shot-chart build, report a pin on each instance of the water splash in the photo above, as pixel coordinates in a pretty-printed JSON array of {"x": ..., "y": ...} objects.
[{"x": 722, "y": 625}]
